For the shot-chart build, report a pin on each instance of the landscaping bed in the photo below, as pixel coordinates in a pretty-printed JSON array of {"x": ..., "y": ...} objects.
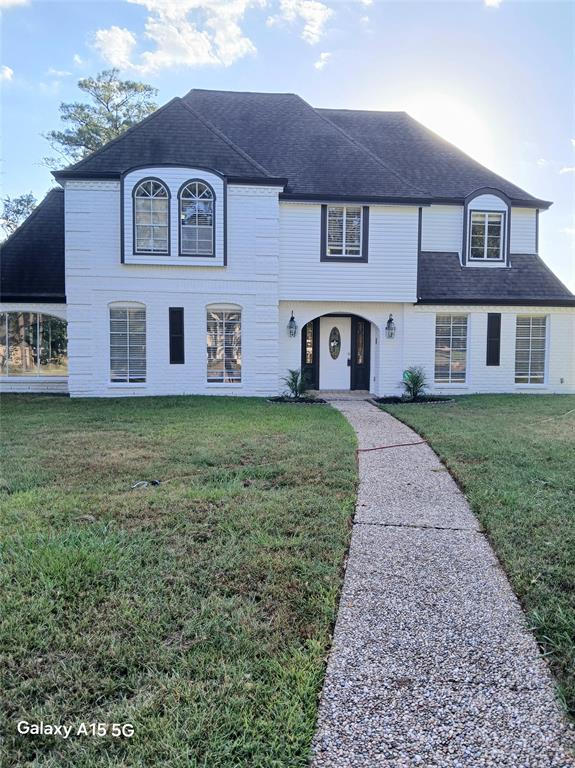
[
  {"x": 198, "y": 610},
  {"x": 514, "y": 457},
  {"x": 421, "y": 399}
]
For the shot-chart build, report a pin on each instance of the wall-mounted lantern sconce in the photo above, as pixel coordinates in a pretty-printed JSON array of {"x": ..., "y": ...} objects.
[
  {"x": 292, "y": 326},
  {"x": 390, "y": 328}
]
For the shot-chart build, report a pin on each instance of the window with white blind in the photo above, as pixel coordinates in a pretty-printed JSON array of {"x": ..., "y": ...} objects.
[
  {"x": 450, "y": 349},
  {"x": 197, "y": 219},
  {"x": 151, "y": 217},
  {"x": 127, "y": 345},
  {"x": 530, "y": 336},
  {"x": 224, "y": 346},
  {"x": 344, "y": 230},
  {"x": 486, "y": 236}
]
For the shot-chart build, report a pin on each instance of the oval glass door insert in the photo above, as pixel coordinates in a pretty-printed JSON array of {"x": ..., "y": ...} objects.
[{"x": 334, "y": 343}]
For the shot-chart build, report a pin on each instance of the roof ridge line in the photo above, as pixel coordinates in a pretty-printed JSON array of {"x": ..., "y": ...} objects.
[
  {"x": 30, "y": 215},
  {"x": 366, "y": 150},
  {"x": 221, "y": 135},
  {"x": 75, "y": 166}
]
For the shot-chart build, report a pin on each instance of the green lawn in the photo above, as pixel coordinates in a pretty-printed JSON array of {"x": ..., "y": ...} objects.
[
  {"x": 199, "y": 610},
  {"x": 514, "y": 456}
]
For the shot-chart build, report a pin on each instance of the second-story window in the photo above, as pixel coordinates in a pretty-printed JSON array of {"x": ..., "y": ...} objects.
[
  {"x": 196, "y": 219},
  {"x": 344, "y": 230},
  {"x": 151, "y": 217},
  {"x": 486, "y": 236}
]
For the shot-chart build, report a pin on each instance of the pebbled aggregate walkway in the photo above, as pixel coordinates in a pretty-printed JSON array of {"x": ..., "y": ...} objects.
[{"x": 432, "y": 663}]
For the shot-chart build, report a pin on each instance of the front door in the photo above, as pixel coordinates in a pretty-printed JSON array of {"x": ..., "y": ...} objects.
[
  {"x": 360, "y": 353},
  {"x": 335, "y": 353}
]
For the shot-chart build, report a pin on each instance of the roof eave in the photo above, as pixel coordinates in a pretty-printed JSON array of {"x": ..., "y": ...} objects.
[{"x": 566, "y": 301}]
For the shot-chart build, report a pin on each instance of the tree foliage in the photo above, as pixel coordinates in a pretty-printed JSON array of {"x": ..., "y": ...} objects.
[
  {"x": 113, "y": 106},
  {"x": 15, "y": 210}
]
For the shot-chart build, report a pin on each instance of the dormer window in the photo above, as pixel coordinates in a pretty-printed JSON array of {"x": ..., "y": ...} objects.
[
  {"x": 196, "y": 219},
  {"x": 486, "y": 236},
  {"x": 151, "y": 217}
]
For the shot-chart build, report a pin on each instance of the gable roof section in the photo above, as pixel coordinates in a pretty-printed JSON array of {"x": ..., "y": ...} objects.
[
  {"x": 442, "y": 280},
  {"x": 325, "y": 154},
  {"x": 293, "y": 140},
  {"x": 32, "y": 258},
  {"x": 421, "y": 156},
  {"x": 174, "y": 134}
]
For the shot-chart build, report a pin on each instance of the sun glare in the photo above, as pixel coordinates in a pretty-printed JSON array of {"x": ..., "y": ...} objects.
[{"x": 455, "y": 121}]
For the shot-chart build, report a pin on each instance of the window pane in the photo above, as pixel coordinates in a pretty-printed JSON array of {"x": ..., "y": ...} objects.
[
  {"x": 530, "y": 350},
  {"x": 128, "y": 345},
  {"x": 53, "y": 346},
  {"x": 3, "y": 344},
  {"x": 223, "y": 346},
  {"x": 22, "y": 342},
  {"x": 450, "y": 348},
  {"x": 151, "y": 218}
]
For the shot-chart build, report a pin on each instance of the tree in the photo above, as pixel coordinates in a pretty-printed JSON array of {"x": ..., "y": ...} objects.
[
  {"x": 15, "y": 210},
  {"x": 115, "y": 105}
]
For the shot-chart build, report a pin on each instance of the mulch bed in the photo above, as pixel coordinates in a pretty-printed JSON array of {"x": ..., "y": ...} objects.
[{"x": 396, "y": 400}]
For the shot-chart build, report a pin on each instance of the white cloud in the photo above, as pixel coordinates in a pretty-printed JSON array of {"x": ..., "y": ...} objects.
[
  {"x": 567, "y": 169},
  {"x": 58, "y": 72},
  {"x": 542, "y": 162},
  {"x": 11, "y": 3},
  {"x": 115, "y": 46},
  {"x": 323, "y": 59},
  {"x": 6, "y": 73},
  {"x": 573, "y": 142},
  {"x": 183, "y": 33},
  {"x": 366, "y": 2},
  {"x": 364, "y": 20},
  {"x": 312, "y": 13},
  {"x": 568, "y": 231},
  {"x": 78, "y": 60},
  {"x": 492, "y": 3}
]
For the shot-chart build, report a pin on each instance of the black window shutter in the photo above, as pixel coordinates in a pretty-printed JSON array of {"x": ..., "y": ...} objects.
[
  {"x": 176, "y": 335},
  {"x": 323, "y": 235},
  {"x": 493, "y": 338},
  {"x": 365, "y": 232}
]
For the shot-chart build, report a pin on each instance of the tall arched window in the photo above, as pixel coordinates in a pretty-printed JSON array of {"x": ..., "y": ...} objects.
[
  {"x": 196, "y": 219},
  {"x": 151, "y": 217}
]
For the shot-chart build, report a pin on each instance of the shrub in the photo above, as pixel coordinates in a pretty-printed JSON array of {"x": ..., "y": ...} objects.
[
  {"x": 414, "y": 382},
  {"x": 296, "y": 382}
]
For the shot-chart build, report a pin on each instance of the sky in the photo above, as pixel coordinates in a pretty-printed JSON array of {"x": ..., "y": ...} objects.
[{"x": 495, "y": 77}]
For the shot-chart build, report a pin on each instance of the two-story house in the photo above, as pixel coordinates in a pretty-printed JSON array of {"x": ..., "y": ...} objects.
[{"x": 232, "y": 236}]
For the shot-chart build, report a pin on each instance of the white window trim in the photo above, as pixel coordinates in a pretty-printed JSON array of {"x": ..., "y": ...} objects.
[
  {"x": 181, "y": 251},
  {"x": 144, "y": 251},
  {"x": 226, "y": 308},
  {"x": 536, "y": 385},
  {"x": 465, "y": 384},
  {"x": 126, "y": 384},
  {"x": 345, "y": 253},
  {"x": 483, "y": 259}
]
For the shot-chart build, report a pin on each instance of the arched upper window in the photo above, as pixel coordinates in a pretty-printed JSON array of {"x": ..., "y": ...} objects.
[
  {"x": 197, "y": 219},
  {"x": 151, "y": 217}
]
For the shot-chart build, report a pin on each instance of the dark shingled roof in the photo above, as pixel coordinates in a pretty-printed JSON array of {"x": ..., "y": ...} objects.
[
  {"x": 318, "y": 153},
  {"x": 174, "y": 134},
  {"x": 442, "y": 280},
  {"x": 421, "y": 156},
  {"x": 32, "y": 259}
]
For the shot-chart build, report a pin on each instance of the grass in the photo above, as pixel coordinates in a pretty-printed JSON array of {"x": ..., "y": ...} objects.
[
  {"x": 199, "y": 610},
  {"x": 514, "y": 456}
]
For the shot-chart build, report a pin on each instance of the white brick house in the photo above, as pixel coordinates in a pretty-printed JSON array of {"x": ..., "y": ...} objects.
[{"x": 172, "y": 260}]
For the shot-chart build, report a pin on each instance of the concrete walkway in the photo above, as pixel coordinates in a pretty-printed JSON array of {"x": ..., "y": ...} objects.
[{"x": 432, "y": 663}]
